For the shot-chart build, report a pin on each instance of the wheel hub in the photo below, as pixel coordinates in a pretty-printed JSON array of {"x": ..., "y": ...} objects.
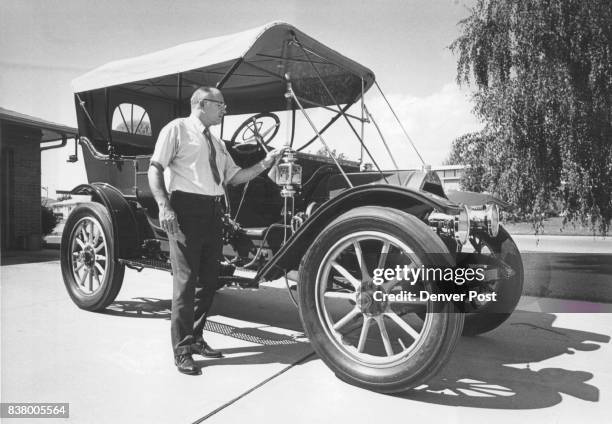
[
  {"x": 88, "y": 256},
  {"x": 368, "y": 305}
]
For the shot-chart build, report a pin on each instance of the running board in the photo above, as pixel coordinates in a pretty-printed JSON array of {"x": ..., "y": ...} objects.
[
  {"x": 139, "y": 264},
  {"x": 242, "y": 277}
]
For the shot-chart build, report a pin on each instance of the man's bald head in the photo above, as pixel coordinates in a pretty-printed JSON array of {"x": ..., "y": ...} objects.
[
  {"x": 204, "y": 93},
  {"x": 208, "y": 105}
]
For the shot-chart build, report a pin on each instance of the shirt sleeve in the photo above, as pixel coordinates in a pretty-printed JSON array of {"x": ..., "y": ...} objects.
[{"x": 167, "y": 145}]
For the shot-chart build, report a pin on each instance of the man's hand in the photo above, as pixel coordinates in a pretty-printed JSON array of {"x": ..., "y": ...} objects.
[
  {"x": 167, "y": 216},
  {"x": 273, "y": 156},
  {"x": 248, "y": 174},
  {"x": 168, "y": 221}
]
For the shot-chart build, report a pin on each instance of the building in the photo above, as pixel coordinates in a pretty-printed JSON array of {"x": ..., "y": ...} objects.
[
  {"x": 450, "y": 175},
  {"x": 22, "y": 138},
  {"x": 63, "y": 208}
]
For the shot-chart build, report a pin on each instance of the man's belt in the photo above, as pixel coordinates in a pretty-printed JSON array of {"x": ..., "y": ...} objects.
[{"x": 197, "y": 196}]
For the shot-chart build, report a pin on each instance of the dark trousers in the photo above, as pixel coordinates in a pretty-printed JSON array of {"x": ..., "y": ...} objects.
[{"x": 195, "y": 266}]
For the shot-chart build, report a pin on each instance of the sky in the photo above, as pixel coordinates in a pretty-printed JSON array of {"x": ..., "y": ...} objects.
[{"x": 44, "y": 44}]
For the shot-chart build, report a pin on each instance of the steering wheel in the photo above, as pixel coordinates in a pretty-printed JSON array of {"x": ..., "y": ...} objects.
[{"x": 256, "y": 131}]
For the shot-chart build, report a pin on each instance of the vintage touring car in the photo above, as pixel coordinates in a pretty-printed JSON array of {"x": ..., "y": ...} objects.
[{"x": 333, "y": 221}]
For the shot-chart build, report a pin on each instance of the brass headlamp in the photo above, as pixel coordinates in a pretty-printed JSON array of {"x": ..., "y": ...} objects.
[
  {"x": 469, "y": 220},
  {"x": 288, "y": 174}
]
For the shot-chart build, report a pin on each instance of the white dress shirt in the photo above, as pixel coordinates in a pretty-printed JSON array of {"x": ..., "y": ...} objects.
[{"x": 182, "y": 150}]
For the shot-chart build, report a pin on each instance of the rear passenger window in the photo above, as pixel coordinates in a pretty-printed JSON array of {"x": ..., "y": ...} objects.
[{"x": 132, "y": 119}]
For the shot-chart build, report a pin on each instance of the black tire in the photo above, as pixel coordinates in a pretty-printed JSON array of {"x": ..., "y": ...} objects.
[
  {"x": 360, "y": 364},
  {"x": 88, "y": 258},
  {"x": 492, "y": 314}
]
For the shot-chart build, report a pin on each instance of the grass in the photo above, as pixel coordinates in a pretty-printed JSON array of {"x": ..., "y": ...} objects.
[{"x": 552, "y": 226}]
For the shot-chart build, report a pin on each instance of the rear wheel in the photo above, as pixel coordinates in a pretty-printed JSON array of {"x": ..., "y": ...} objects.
[
  {"x": 378, "y": 344},
  {"x": 91, "y": 274}
]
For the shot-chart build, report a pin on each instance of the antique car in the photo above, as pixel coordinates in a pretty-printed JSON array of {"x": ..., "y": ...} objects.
[{"x": 337, "y": 222}]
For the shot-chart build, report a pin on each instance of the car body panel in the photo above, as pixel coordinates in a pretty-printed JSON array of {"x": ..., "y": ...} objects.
[{"x": 417, "y": 203}]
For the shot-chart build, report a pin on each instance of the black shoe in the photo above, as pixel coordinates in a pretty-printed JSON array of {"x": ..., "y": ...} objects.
[
  {"x": 205, "y": 350},
  {"x": 184, "y": 363}
]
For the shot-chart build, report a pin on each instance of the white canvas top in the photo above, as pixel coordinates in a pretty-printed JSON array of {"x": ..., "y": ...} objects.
[{"x": 211, "y": 52}]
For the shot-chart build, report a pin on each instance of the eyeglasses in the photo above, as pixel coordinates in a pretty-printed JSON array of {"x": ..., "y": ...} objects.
[{"x": 221, "y": 104}]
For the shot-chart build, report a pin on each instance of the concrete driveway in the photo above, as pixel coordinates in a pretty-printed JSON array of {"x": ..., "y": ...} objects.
[{"x": 117, "y": 366}]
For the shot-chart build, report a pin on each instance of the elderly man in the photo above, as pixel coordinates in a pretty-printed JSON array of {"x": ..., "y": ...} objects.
[{"x": 199, "y": 165}]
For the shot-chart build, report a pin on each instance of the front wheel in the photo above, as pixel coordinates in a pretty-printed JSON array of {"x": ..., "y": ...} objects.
[
  {"x": 490, "y": 315},
  {"x": 91, "y": 274},
  {"x": 380, "y": 345}
]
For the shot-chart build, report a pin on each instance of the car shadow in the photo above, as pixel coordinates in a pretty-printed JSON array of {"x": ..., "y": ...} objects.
[
  {"x": 264, "y": 346},
  {"x": 245, "y": 304},
  {"x": 140, "y": 307},
  {"x": 500, "y": 370},
  {"x": 296, "y": 354},
  {"x": 270, "y": 347}
]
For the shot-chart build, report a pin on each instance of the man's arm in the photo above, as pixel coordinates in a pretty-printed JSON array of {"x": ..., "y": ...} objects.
[
  {"x": 167, "y": 217},
  {"x": 247, "y": 174}
]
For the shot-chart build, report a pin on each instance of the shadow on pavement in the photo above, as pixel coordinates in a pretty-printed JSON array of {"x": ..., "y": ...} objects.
[
  {"x": 590, "y": 263},
  {"x": 250, "y": 306},
  {"x": 256, "y": 355},
  {"x": 497, "y": 370},
  {"x": 140, "y": 307},
  {"x": 16, "y": 257},
  {"x": 265, "y": 305},
  {"x": 271, "y": 347},
  {"x": 500, "y": 370},
  {"x": 577, "y": 276}
]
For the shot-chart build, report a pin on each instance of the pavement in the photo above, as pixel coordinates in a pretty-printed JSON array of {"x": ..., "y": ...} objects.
[
  {"x": 567, "y": 267},
  {"x": 563, "y": 244},
  {"x": 540, "y": 366}
]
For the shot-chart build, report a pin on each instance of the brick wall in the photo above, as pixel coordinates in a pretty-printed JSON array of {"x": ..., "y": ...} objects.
[{"x": 21, "y": 151}]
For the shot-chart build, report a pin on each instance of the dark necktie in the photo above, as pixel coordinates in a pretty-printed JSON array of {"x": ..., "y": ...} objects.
[{"x": 212, "y": 157}]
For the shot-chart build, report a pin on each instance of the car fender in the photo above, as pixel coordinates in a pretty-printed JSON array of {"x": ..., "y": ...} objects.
[
  {"x": 417, "y": 203},
  {"x": 126, "y": 235}
]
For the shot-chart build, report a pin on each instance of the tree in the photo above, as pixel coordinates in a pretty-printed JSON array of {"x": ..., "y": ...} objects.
[
  {"x": 323, "y": 152},
  {"x": 470, "y": 150},
  {"x": 542, "y": 73},
  {"x": 48, "y": 220}
]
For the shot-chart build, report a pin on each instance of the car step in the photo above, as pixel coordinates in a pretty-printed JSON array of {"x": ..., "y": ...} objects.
[
  {"x": 241, "y": 277},
  {"x": 140, "y": 264}
]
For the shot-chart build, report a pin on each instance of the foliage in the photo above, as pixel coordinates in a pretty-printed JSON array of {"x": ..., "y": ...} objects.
[
  {"x": 543, "y": 77},
  {"x": 135, "y": 127},
  {"x": 323, "y": 152},
  {"x": 486, "y": 169},
  {"x": 48, "y": 220},
  {"x": 471, "y": 150}
]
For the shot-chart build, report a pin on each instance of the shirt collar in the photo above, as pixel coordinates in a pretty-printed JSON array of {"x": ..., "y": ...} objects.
[{"x": 196, "y": 123}]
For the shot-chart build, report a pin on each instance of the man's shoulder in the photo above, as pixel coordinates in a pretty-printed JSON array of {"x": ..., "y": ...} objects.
[
  {"x": 177, "y": 122},
  {"x": 173, "y": 129}
]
